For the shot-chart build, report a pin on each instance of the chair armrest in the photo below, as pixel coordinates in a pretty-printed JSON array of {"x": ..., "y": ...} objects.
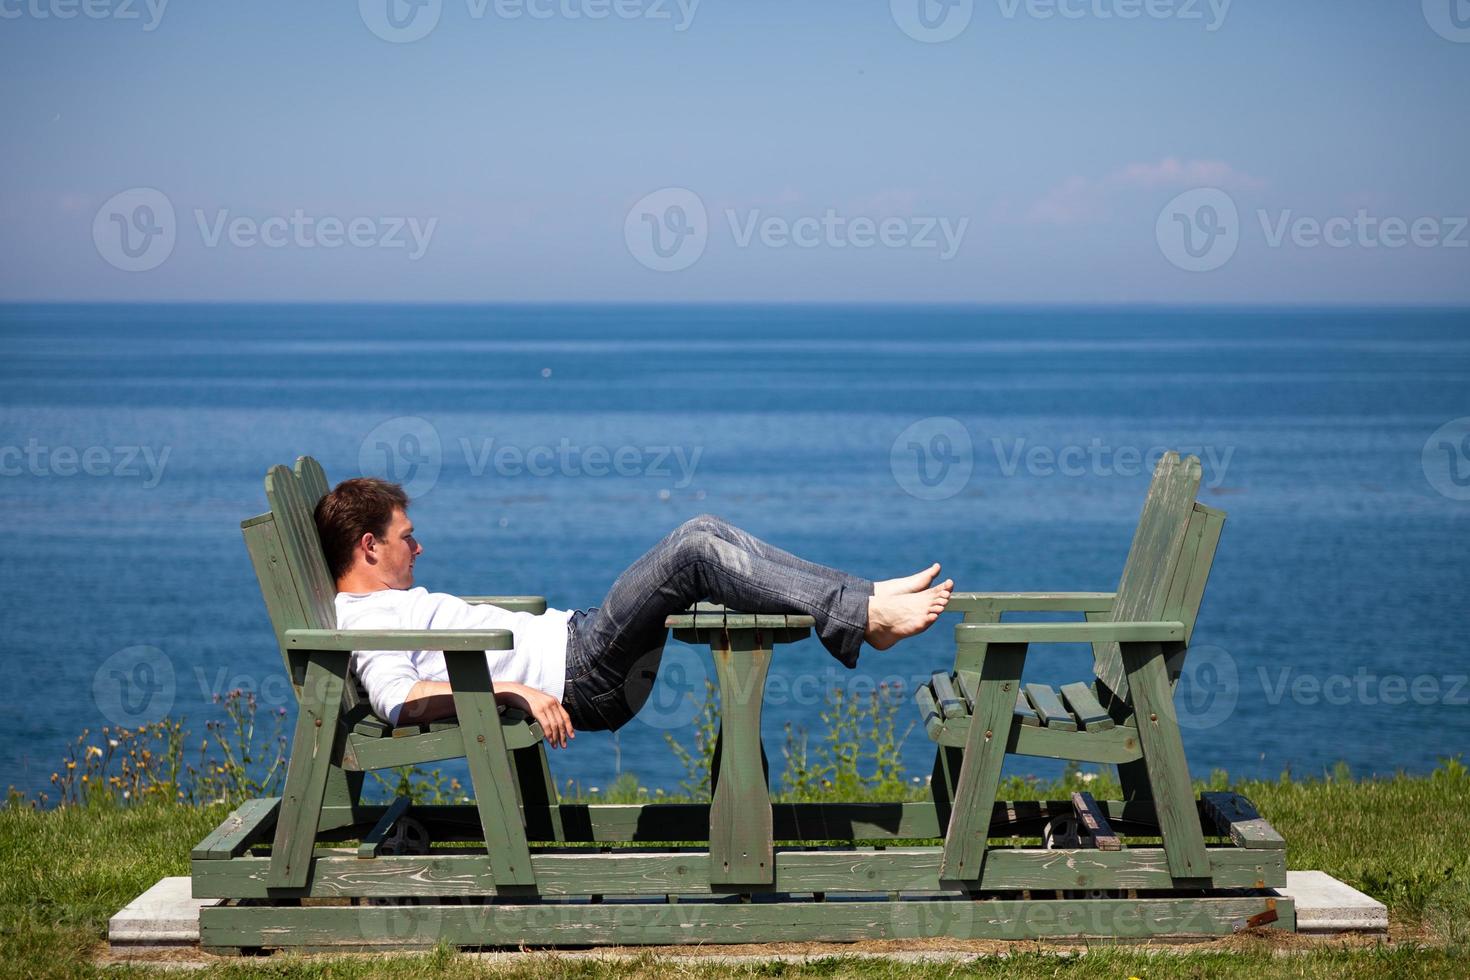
[
  {"x": 349, "y": 640},
  {"x": 1031, "y": 602},
  {"x": 1068, "y": 632},
  {"x": 534, "y": 604}
]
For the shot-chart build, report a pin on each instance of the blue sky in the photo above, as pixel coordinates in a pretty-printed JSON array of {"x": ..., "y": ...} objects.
[{"x": 1050, "y": 151}]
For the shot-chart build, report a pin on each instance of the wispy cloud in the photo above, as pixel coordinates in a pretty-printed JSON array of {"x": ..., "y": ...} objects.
[{"x": 1080, "y": 199}]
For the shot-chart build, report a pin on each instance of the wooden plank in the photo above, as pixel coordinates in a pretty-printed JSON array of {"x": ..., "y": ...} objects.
[
  {"x": 1116, "y": 745},
  {"x": 1091, "y": 817},
  {"x": 1090, "y": 632},
  {"x": 450, "y": 875},
  {"x": 740, "y": 822},
  {"x": 306, "y": 776},
  {"x": 1238, "y": 817},
  {"x": 954, "y": 917},
  {"x": 965, "y": 839},
  {"x": 1153, "y": 560},
  {"x": 929, "y": 711},
  {"x": 533, "y": 604},
  {"x": 1163, "y": 757},
  {"x": 249, "y": 823},
  {"x": 373, "y": 839},
  {"x": 951, "y": 705},
  {"x": 1003, "y": 602},
  {"x": 489, "y": 764},
  {"x": 1049, "y": 707},
  {"x": 1024, "y": 713},
  {"x": 1084, "y": 705}
]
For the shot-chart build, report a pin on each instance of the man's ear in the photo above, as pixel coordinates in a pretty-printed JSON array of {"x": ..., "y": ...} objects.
[{"x": 369, "y": 547}]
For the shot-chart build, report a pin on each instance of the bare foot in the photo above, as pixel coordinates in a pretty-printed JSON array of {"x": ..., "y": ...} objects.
[
  {"x": 895, "y": 617},
  {"x": 909, "y": 583}
]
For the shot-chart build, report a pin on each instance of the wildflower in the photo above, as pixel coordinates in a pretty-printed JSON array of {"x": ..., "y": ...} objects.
[
  {"x": 113, "y": 742},
  {"x": 93, "y": 751}
]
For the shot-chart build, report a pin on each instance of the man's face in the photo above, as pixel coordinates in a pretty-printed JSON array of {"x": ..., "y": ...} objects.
[{"x": 396, "y": 552}]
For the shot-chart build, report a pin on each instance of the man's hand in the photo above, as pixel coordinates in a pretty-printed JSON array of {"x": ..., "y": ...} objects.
[
  {"x": 556, "y": 724},
  {"x": 431, "y": 700}
]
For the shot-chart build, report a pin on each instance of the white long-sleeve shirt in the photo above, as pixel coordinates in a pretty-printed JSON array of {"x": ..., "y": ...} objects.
[{"x": 538, "y": 658}]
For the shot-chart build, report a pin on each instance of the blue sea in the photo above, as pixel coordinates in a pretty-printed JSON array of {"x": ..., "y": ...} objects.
[{"x": 548, "y": 447}]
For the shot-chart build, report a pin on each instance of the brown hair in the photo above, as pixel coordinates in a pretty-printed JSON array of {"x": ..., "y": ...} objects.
[{"x": 359, "y": 506}]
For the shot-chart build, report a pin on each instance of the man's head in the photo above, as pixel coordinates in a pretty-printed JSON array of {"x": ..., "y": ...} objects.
[{"x": 366, "y": 535}]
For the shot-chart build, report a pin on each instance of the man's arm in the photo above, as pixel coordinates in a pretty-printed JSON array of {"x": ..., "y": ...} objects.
[{"x": 432, "y": 700}]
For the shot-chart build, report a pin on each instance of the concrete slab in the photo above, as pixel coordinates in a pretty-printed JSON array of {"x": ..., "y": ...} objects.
[
  {"x": 165, "y": 915},
  {"x": 1326, "y": 906}
]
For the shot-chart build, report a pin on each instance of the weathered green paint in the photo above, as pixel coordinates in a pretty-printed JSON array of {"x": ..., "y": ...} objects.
[
  {"x": 1236, "y": 816},
  {"x": 489, "y": 764},
  {"x": 741, "y": 827},
  {"x": 995, "y": 700},
  {"x": 340, "y": 874},
  {"x": 473, "y": 925},
  {"x": 1163, "y": 757},
  {"x": 373, "y": 839},
  {"x": 311, "y": 760}
]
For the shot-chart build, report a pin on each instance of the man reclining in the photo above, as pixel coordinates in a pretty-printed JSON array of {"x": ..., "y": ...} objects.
[{"x": 588, "y": 669}]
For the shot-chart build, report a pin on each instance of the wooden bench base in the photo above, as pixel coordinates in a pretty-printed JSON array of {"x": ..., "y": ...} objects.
[{"x": 1115, "y": 883}]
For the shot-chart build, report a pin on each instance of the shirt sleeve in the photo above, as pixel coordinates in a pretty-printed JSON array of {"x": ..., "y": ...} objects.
[{"x": 388, "y": 675}]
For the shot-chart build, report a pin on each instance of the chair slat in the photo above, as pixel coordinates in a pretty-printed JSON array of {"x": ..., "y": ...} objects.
[
  {"x": 1153, "y": 559},
  {"x": 1049, "y": 706},
  {"x": 1025, "y": 712},
  {"x": 1090, "y": 714},
  {"x": 951, "y": 705}
]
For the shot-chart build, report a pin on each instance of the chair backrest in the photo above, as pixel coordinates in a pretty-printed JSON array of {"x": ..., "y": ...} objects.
[
  {"x": 1167, "y": 568},
  {"x": 287, "y": 554}
]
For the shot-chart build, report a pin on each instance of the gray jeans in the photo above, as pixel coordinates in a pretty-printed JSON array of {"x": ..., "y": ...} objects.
[{"x": 613, "y": 650}]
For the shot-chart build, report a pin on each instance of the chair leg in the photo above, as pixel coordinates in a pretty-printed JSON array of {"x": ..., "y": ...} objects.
[
  {"x": 490, "y": 771},
  {"x": 968, "y": 834},
  {"x": 312, "y": 749},
  {"x": 537, "y": 790},
  {"x": 1163, "y": 759},
  {"x": 342, "y": 800}
]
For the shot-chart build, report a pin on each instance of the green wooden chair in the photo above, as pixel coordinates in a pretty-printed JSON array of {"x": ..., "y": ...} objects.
[
  {"x": 338, "y": 738},
  {"x": 1124, "y": 715}
]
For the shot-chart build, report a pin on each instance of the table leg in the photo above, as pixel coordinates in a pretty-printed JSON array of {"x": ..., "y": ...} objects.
[{"x": 740, "y": 830}]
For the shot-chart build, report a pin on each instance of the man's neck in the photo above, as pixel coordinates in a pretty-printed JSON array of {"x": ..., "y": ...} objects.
[{"x": 360, "y": 584}]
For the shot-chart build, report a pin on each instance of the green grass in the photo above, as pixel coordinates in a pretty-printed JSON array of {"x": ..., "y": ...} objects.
[{"x": 64, "y": 872}]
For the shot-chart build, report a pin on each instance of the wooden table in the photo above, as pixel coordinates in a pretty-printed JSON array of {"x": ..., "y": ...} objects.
[{"x": 740, "y": 831}]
